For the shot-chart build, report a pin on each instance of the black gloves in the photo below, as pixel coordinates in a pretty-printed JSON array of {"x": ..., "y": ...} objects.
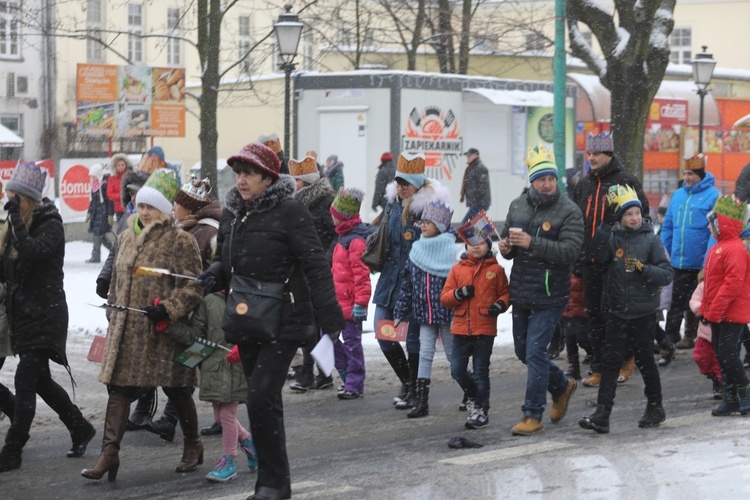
[
  {"x": 102, "y": 288},
  {"x": 207, "y": 281},
  {"x": 497, "y": 308},
  {"x": 13, "y": 206},
  {"x": 465, "y": 292},
  {"x": 157, "y": 313}
]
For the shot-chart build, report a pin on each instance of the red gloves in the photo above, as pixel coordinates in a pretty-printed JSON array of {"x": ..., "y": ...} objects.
[{"x": 233, "y": 356}]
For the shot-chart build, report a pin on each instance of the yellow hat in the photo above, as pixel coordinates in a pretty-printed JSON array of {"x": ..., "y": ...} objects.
[{"x": 622, "y": 197}]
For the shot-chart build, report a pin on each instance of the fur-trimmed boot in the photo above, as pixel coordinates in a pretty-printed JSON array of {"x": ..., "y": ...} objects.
[{"x": 421, "y": 408}]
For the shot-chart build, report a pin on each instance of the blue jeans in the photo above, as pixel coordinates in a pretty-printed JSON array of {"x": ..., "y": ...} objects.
[
  {"x": 478, "y": 347},
  {"x": 532, "y": 333},
  {"x": 427, "y": 340},
  {"x": 473, "y": 211},
  {"x": 412, "y": 335}
]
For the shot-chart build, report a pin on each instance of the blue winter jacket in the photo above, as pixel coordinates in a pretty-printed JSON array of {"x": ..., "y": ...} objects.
[
  {"x": 419, "y": 300},
  {"x": 685, "y": 231}
]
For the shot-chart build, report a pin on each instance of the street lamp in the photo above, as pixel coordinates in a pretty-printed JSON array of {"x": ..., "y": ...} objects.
[
  {"x": 288, "y": 31},
  {"x": 703, "y": 70}
]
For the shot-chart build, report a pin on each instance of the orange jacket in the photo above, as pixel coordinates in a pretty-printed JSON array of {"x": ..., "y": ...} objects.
[{"x": 471, "y": 316}]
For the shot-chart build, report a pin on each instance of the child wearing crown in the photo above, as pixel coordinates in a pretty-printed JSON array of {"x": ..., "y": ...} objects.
[
  {"x": 430, "y": 261},
  {"x": 638, "y": 268}
]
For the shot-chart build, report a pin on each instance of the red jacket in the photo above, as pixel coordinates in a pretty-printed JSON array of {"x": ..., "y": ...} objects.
[
  {"x": 726, "y": 277},
  {"x": 114, "y": 191},
  {"x": 576, "y": 305},
  {"x": 471, "y": 316},
  {"x": 351, "y": 277}
]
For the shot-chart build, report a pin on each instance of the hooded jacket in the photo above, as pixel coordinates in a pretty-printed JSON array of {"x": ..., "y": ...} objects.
[
  {"x": 36, "y": 304},
  {"x": 204, "y": 226},
  {"x": 591, "y": 198},
  {"x": 114, "y": 187},
  {"x": 632, "y": 294},
  {"x": 685, "y": 232},
  {"x": 351, "y": 276},
  {"x": 275, "y": 239},
  {"x": 540, "y": 276},
  {"x": 335, "y": 176},
  {"x": 100, "y": 209},
  {"x": 726, "y": 276}
]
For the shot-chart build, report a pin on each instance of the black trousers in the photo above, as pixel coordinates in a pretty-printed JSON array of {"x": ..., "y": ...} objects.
[
  {"x": 575, "y": 330},
  {"x": 685, "y": 281},
  {"x": 133, "y": 393},
  {"x": 266, "y": 366},
  {"x": 33, "y": 377},
  {"x": 7, "y": 405},
  {"x": 725, "y": 338},
  {"x": 595, "y": 298},
  {"x": 622, "y": 335}
]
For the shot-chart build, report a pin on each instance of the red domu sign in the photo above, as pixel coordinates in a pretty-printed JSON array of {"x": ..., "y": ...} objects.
[{"x": 75, "y": 188}]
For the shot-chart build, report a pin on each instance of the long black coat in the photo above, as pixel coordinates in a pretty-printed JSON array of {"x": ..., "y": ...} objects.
[
  {"x": 317, "y": 198},
  {"x": 274, "y": 236},
  {"x": 100, "y": 210},
  {"x": 37, "y": 310}
]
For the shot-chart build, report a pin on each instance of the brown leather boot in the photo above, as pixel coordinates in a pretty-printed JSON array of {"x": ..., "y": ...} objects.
[
  {"x": 115, "y": 422},
  {"x": 192, "y": 453},
  {"x": 626, "y": 370}
]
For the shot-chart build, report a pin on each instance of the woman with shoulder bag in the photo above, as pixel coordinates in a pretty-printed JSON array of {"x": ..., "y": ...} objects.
[
  {"x": 268, "y": 238},
  {"x": 407, "y": 197}
]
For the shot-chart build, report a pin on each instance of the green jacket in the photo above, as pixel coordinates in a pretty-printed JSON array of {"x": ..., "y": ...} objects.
[{"x": 220, "y": 382}]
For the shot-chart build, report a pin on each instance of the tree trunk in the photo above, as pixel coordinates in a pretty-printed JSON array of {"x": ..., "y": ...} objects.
[
  {"x": 631, "y": 101},
  {"x": 209, "y": 39},
  {"x": 444, "y": 50},
  {"x": 463, "y": 48}
]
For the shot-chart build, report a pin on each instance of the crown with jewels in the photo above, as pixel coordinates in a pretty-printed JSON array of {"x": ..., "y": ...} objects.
[
  {"x": 194, "y": 194},
  {"x": 601, "y": 142},
  {"x": 411, "y": 163},
  {"x": 696, "y": 162}
]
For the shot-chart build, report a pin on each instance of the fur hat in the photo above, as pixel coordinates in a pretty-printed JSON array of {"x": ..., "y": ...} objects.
[
  {"x": 346, "y": 204},
  {"x": 194, "y": 194},
  {"x": 540, "y": 161},
  {"x": 159, "y": 191},
  {"x": 603, "y": 142},
  {"x": 117, "y": 157},
  {"x": 411, "y": 168},
  {"x": 440, "y": 214},
  {"x": 387, "y": 156},
  {"x": 131, "y": 181},
  {"x": 260, "y": 156},
  {"x": 305, "y": 170},
  {"x": 27, "y": 180},
  {"x": 272, "y": 141},
  {"x": 697, "y": 164}
]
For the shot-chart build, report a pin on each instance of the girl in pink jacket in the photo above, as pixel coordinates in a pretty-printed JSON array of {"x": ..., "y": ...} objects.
[{"x": 703, "y": 353}]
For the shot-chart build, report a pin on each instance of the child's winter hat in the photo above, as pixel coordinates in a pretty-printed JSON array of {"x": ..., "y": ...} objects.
[
  {"x": 346, "y": 204},
  {"x": 27, "y": 180},
  {"x": 697, "y": 164},
  {"x": 603, "y": 142},
  {"x": 387, "y": 156},
  {"x": 272, "y": 141},
  {"x": 621, "y": 198},
  {"x": 729, "y": 207},
  {"x": 305, "y": 170},
  {"x": 541, "y": 162},
  {"x": 159, "y": 191},
  {"x": 97, "y": 170},
  {"x": 194, "y": 194},
  {"x": 260, "y": 156},
  {"x": 440, "y": 214},
  {"x": 411, "y": 168}
]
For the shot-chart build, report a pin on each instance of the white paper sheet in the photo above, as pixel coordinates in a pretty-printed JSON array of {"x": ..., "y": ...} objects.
[{"x": 323, "y": 355}]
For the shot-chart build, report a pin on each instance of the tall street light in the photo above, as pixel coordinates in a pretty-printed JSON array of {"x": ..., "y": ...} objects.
[
  {"x": 703, "y": 70},
  {"x": 288, "y": 31}
]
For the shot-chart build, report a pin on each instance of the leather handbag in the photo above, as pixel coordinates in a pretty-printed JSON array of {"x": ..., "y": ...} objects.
[{"x": 376, "y": 253}]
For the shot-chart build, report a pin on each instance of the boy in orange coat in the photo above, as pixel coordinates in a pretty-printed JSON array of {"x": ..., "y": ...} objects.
[{"x": 477, "y": 290}]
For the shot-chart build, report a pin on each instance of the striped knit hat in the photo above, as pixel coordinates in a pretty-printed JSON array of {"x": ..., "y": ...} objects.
[
  {"x": 346, "y": 204},
  {"x": 540, "y": 161}
]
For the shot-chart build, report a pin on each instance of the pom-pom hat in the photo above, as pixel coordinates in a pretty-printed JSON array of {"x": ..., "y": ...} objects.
[
  {"x": 438, "y": 213},
  {"x": 603, "y": 143},
  {"x": 346, "y": 204},
  {"x": 541, "y": 162},
  {"x": 260, "y": 156},
  {"x": 159, "y": 191},
  {"x": 194, "y": 194},
  {"x": 411, "y": 168},
  {"x": 305, "y": 170},
  {"x": 27, "y": 180}
]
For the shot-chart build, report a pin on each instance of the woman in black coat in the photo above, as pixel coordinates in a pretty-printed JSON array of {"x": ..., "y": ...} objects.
[
  {"x": 32, "y": 246},
  {"x": 267, "y": 235}
]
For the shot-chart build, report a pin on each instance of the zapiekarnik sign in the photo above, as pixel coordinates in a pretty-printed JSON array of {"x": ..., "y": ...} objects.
[{"x": 129, "y": 101}]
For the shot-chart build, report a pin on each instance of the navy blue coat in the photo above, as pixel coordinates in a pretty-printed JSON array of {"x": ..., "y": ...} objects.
[
  {"x": 100, "y": 210},
  {"x": 419, "y": 300}
]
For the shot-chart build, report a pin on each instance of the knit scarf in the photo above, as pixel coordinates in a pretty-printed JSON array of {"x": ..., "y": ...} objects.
[
  {"x": 434, "y": 255},
  {"x": 348, "y": 225}
]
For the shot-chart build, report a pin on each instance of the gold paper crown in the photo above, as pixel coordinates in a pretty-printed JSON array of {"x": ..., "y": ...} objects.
[
  {"x": 539, "y": 154},
  {"x": 304, "y": 167},
  {"x": 697, "y": 162},
  {"x": 411, "y": 163},
  {"x": 312, "y": 154},
  {"x": 272, "y": 141},
  {"x": 621, "y": 197}
]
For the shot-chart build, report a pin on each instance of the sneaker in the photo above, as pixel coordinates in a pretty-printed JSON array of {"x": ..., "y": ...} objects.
[
  {"x": 350, "y": 395},
  {"x": 341, "y": 389},
  {"x": 322, "y": 382},
  {"x": 462, "y": 405},
  {"x": 593, "y": 380},
  {"x": 248, "y": 448},
  {"x": 528, "y": 426},
  {"x": 667, "y": 355},
  {"x": 93, "y": 261},
  {"x": 477, "y": 419},
  {"x": 224, "y": 471},
  {"x": 297, "y": 386}
]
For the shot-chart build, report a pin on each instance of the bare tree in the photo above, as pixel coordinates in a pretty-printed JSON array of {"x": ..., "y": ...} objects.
[{"x": 635, "y": 58}]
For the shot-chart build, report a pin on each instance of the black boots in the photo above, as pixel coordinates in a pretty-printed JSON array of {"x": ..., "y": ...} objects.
[
  {"x": 653, "y": 416},
  {"x": 115, "y": 422},
  {"x": 165, "y": 426},
  {"x": 731, "y": 403},
  {"x": 192, "y": 454},
  {"x": 400, "y": 366},
  {"x": 10, "y": 456},
  {"x": 599, "y": 421},
  {"x": 718, "y": 387},
  {"x": 144, "y": 411},
  {"x": 574, "y": 368},
  {"x": 421, "y": 408},
  {"x": 411, "y": 396},
  {"x": 81, "y": 435},
  {"x": 743, "y": 399},
  {"x": 7, "y": 402}
]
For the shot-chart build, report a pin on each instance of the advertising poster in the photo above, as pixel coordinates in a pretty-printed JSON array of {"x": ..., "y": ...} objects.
[
  {"x": 128, "y": 101},
  {"x": 8, "y": 166},
  {"x": 540, "y": 129}
]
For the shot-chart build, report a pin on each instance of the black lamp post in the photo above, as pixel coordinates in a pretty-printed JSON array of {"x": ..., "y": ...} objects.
[
  {"x": 703, "y": 70},
  {"x": 288, "y": 31}
]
